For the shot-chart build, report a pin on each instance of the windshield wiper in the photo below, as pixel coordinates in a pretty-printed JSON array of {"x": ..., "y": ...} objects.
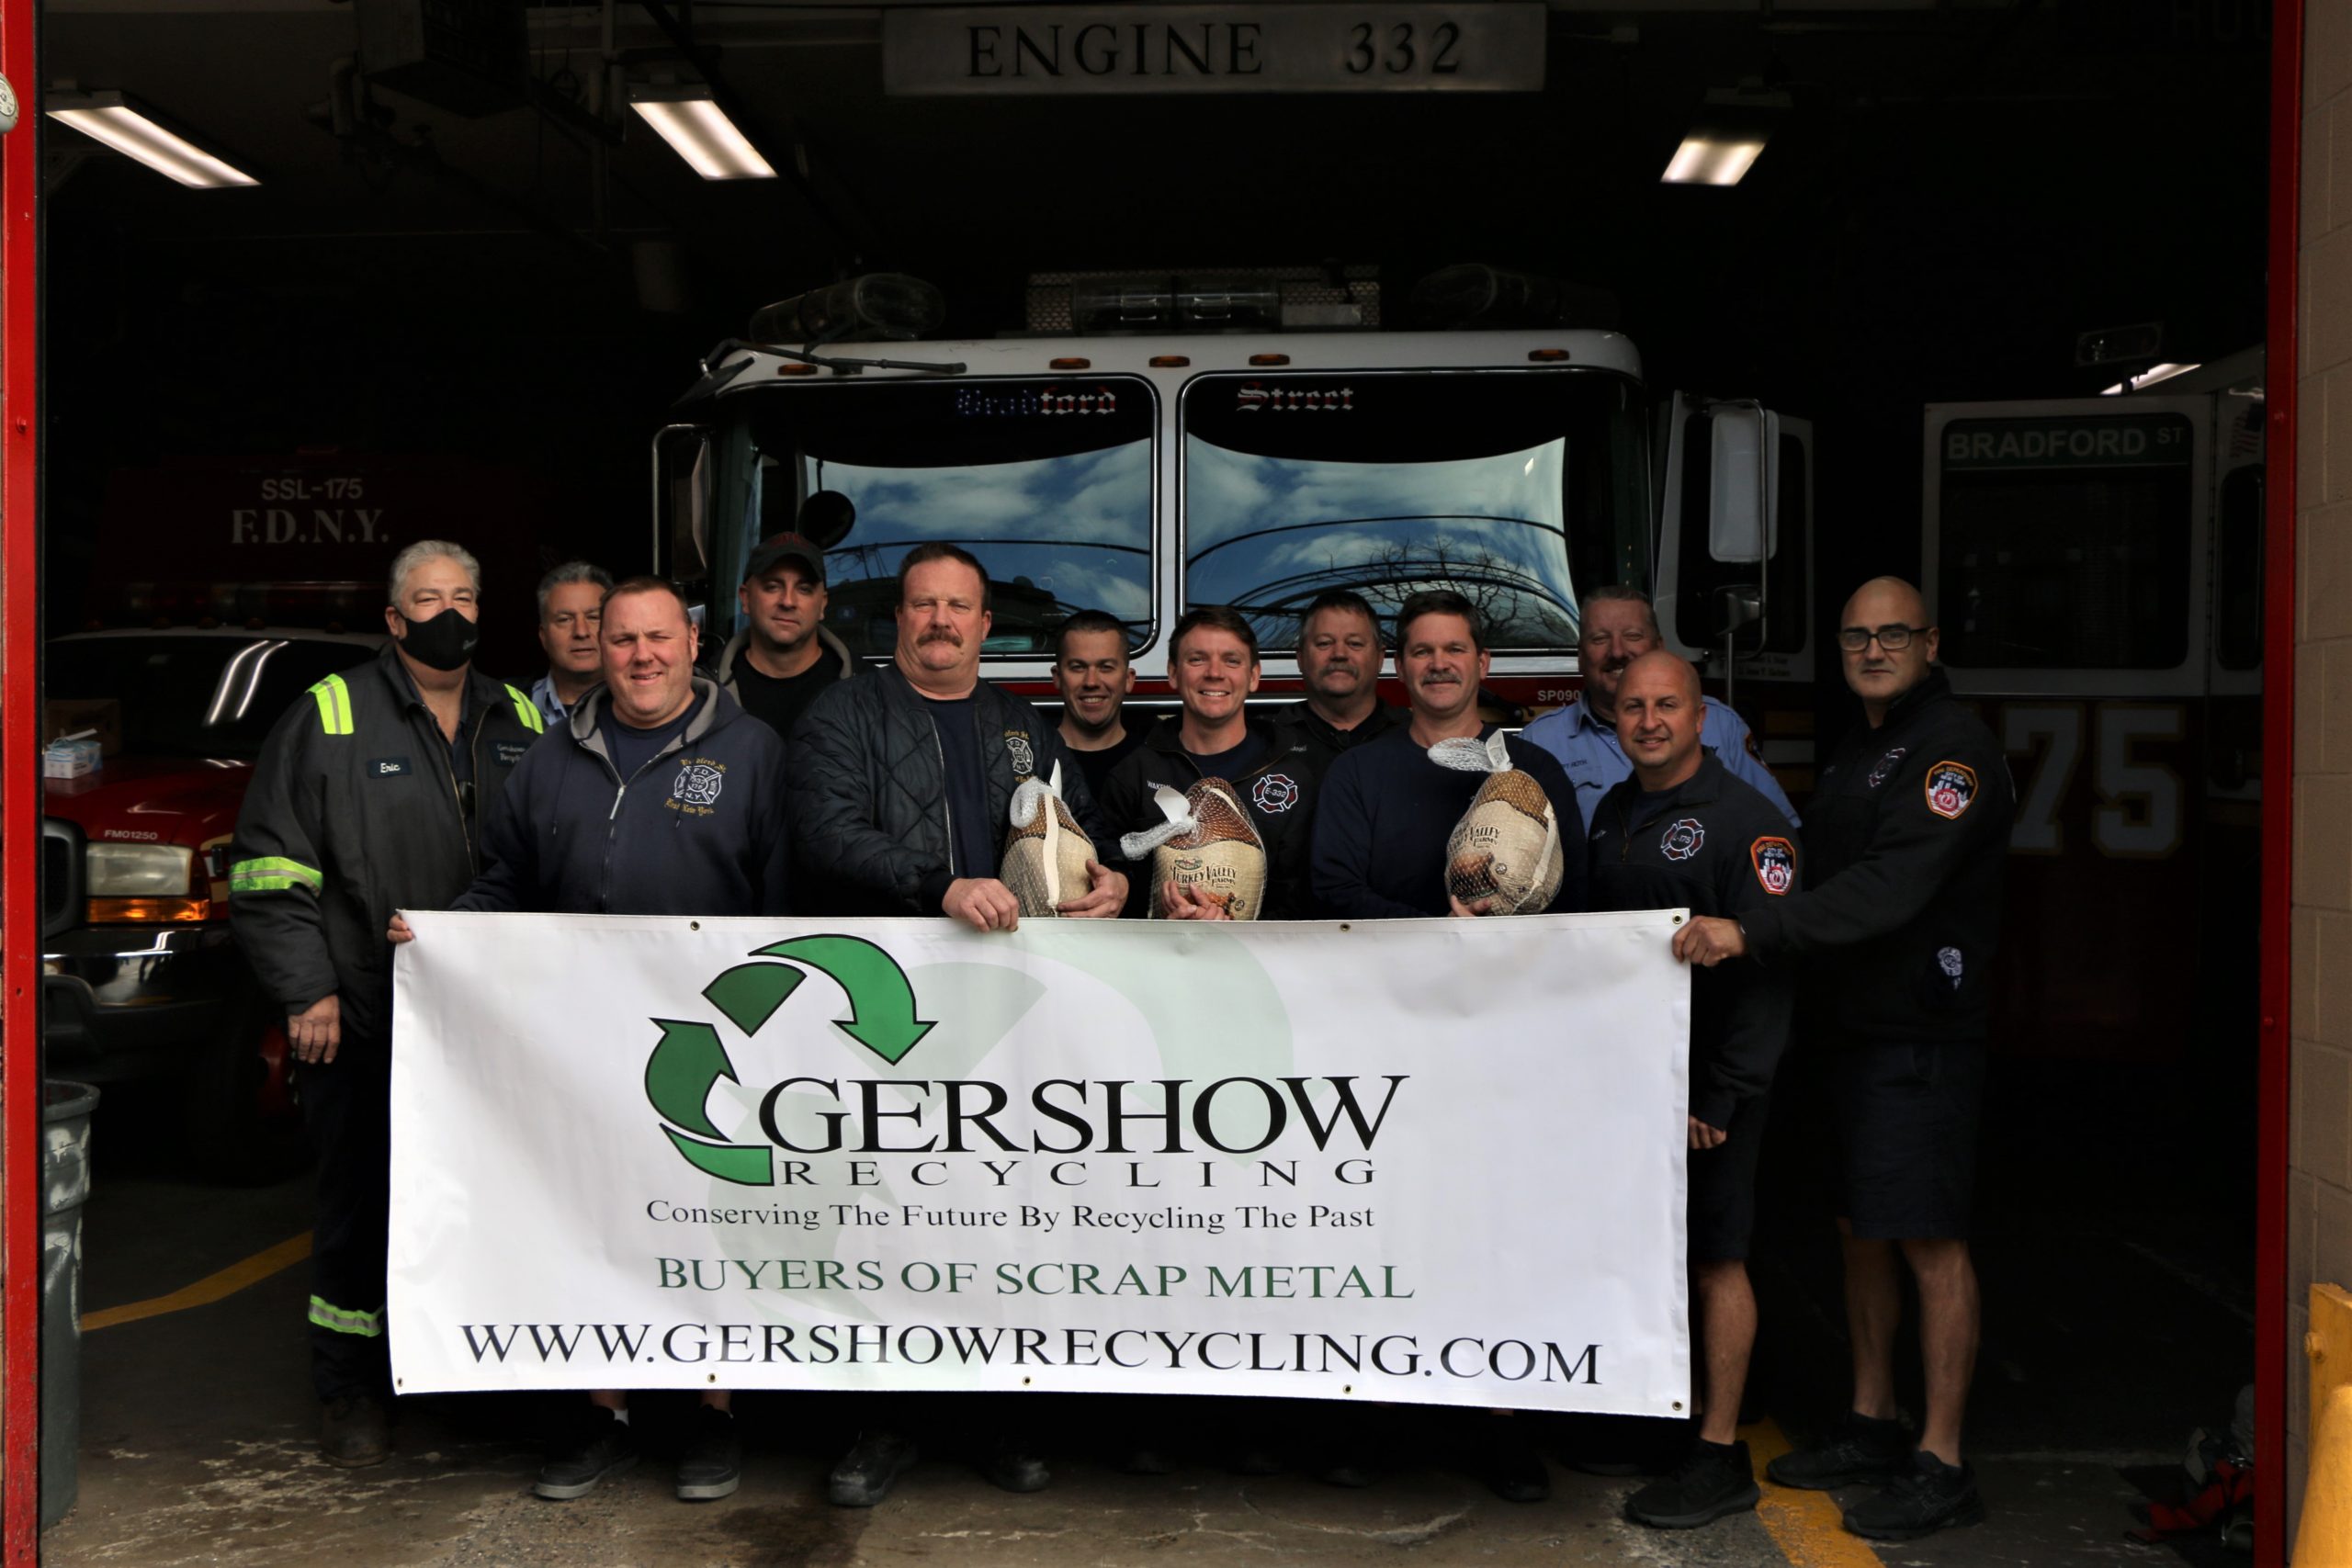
[{"x": 833, "y": 362}]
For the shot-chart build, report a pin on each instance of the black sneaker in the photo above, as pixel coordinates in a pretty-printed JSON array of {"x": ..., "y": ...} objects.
[
  {"x": 864, "y": 1477},
  {"x": 354, "y": 1431},
  {"x": 1862, "y": 1447},
  {"x": 1014, "y": 1467},
  {"x": 712, "y": 1465},
  {"x": 598, "y": 1445},
  {"x": 1715, "y": 1479},
  {"x": 1932, "y": 1495}
]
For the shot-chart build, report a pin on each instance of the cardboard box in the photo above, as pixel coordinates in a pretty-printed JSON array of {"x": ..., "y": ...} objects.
[
  {"x": 64, "y": 715},
  {"x": 70, "y": 758}
]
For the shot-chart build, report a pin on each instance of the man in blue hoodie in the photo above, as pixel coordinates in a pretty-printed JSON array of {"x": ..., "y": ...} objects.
[{"x": 659, "y": 795}]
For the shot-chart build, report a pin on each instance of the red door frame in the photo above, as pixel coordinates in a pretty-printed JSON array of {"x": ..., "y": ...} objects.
[
  {"x": 21, "y": 792},
  {"x": 20, "y": 1183},
  {"x": 2277, "y": 973}
]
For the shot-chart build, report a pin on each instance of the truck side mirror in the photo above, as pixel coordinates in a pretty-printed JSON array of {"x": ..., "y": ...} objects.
[
  {"x": 1743, "y": 525},
  {"x": 682, "y": 481},
  {"x": 1738, "y": 608}
]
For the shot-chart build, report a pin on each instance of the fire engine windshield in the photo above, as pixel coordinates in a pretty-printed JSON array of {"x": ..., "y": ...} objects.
[
  {"x": 1516, "y": 488},
  {"x": 196, "y": 694},
  {"x": 1048, "y": 482}
]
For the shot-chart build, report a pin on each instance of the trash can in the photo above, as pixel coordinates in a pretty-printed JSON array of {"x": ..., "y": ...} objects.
[{"x": 65, "y": 1183}]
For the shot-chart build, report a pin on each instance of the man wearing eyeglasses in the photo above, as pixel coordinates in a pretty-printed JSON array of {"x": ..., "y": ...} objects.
[{"x": 1903, "y": 845}]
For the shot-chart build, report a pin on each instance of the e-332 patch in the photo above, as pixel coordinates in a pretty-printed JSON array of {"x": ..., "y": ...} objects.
[
  {"x": 1952, "y": 789},
  {"x": 1775, "y": 861}
]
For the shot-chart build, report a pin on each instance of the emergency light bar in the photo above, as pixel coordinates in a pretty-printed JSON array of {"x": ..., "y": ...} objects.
[
  {"x": 130, "y": 130},
  {"x": 698, "y": 131}
]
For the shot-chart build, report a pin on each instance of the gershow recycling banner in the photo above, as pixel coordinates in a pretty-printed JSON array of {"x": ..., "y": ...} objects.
[{"x": 1438, "y": 1161}]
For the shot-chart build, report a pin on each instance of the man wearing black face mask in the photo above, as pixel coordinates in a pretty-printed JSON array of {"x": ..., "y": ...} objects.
[{"x": 367, "y": 798}]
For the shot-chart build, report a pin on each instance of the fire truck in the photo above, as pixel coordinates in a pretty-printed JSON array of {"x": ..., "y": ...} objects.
[
  {"x": 1147, "y": 445},
  {"x": 2096, "y": 567}
]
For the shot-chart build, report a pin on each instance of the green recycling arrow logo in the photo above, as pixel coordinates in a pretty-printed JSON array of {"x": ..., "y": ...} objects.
[{"x": 690, "y": 1058}]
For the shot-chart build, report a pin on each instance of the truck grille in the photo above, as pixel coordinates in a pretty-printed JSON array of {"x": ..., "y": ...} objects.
[{"x": 61, "y": 876}]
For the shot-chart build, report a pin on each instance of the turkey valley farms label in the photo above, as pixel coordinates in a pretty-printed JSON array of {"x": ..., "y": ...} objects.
[
  {"x": 1438, "y": 1161},
  {"x": 1074, "y": 51}
]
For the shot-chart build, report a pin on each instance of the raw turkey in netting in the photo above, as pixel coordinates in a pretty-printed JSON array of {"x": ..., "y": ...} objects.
[
  {"x": 1208, "y": 844},
  {"x": 1506, "y": 846},
  {"x": 1045, "y": 855}
]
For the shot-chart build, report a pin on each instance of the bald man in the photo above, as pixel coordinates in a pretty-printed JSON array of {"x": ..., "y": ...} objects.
[
  {"x": 1682, "y": 832},
  {"x": 1904, "y": 839}
]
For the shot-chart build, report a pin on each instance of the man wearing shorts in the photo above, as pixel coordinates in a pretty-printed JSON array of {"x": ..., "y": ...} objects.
[
  {"x": 1904, "y": 841},
  {"x": 1683, "y": 832}
]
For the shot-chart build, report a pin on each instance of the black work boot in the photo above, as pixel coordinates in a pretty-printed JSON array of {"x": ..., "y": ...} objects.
[
  {"x": 1862, "y": 1447},
  {"x": 595, "y": 1446},
  {"x": 1715, "y": 1479},
  {"x": 865, "y": 1474},
  {"x": 354, "y": 1431},
  {"x": 712, "y": 1465},
  {"x": 1929, "y": 1497},
  {"x": 1013, "y": 1465}
]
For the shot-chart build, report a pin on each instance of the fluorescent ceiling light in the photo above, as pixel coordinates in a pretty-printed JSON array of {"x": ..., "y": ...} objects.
[
  {"x": 2148, "y": 377},
  {"x": 694, "y": 125},
  {"x": 1707, "y": 158},
  {"x": 126, "y": 127}
]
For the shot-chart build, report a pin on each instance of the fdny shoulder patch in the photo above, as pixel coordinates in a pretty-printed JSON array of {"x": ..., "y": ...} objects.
[
  {"x": 1775, "y": 860},
  {"x": 1274, "y": 794},
  {"x": 1016, "y": 744},
  {"x": 1951, "y": 788},
  {"x": 1887, "y": 764},
  {"x": 1683, "y": 837}
]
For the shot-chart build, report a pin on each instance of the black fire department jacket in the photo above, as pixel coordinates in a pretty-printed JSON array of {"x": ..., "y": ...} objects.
[
  {"x": 1278, "y": 794},
  {"x": 354, "y": 811},
  {"x": 1716, "y": 846},
  {"x": 1905, "y": 838},
  {"x": 866, "y": 792},
  {"x": 698, "y": 829}
]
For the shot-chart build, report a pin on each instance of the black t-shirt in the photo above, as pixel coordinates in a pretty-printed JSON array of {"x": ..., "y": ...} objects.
[
  {"x": 632, "y": 748},
  {"x": 975, "y": 837},
  {"x": 1097, "y": 765},
  {"x": 777, "y": 700},
  {"x": 1232, "y": 763}
]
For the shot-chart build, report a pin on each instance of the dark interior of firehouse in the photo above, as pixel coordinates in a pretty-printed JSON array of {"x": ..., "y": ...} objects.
[{"x": 467, "y": 297}]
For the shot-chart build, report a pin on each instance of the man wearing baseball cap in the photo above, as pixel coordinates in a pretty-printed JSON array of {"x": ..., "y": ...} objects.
[{"x": 783, "y": 656}]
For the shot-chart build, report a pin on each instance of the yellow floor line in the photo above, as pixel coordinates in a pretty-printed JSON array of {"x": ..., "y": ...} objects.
[
  {"x": 1808, "y": 1526},
  {"x": 211, "y": 1288}
]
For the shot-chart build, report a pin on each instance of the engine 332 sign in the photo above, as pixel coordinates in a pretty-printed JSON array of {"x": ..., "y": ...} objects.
[
  {"x": 1438, "y": 1161},
  {"x": 1062, "y": 52}
]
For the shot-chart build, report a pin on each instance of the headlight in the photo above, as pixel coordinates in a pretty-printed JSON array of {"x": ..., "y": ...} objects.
[{"x": 139, "y": 871}]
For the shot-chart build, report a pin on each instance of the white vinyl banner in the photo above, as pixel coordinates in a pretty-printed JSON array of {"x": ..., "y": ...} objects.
[{"x": 1426, "y": 1160}]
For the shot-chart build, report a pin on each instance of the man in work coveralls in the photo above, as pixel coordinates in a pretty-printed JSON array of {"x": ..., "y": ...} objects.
[
  {"x": 367, "y": 797},
  {"x": 1904, "y": 841}
]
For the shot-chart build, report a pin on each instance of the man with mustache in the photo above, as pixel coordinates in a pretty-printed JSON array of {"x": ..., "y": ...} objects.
[
  {"x": 1682, "y": 833},
  {"x": 1895, "y": 935},
  {"x": 1385, "y": 810},
  {"x": 1092, "y": 674},
  {"x": 1339, "y": 657},
  {"x": 900, "y": 793},
  {"x": 783, "y": 656},
  {"x": 1617, "y": 626}
]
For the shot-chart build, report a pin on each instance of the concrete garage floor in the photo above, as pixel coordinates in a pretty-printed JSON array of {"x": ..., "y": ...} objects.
[{"x": 197, "y": 1444}]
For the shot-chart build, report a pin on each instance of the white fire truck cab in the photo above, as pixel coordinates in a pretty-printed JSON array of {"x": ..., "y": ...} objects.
[{"x": 1140, "y": 469}]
